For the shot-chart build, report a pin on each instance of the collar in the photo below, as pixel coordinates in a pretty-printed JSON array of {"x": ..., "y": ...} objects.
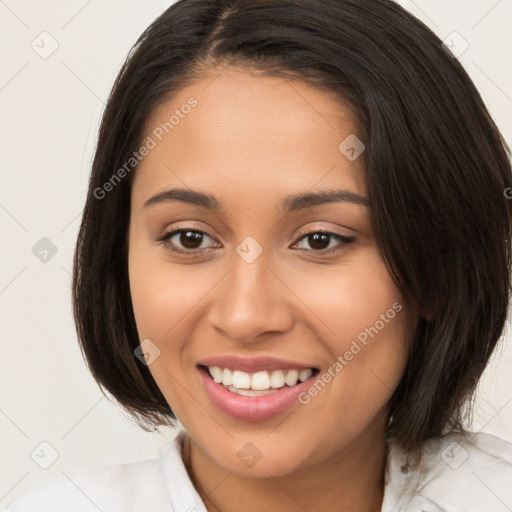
[{"x": 469, "y": 472}]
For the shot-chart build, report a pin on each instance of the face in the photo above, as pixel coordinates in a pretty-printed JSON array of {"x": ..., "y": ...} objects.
[{"x": 259, "y": 285}]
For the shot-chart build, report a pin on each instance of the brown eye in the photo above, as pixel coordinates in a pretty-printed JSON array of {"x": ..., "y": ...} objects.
[
  {"x": 187, "y": 242},
  {"x": 319, "y": 241},
  {"x": 190, "y": 239}
]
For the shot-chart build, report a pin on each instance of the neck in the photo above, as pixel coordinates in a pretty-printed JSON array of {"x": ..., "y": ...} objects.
[{"x": 349, "y": 481}]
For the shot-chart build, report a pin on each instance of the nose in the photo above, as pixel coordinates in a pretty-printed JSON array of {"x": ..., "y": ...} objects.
[{"x": 250, "y": 301}]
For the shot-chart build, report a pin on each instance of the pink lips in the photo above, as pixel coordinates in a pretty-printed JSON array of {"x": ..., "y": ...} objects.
[
  {"x": 253, "y": 364},
  {"x": 252, "y": 408}
]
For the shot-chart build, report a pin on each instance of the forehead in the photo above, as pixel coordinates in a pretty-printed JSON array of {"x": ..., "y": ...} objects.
[{"x": 248, "y": 132}]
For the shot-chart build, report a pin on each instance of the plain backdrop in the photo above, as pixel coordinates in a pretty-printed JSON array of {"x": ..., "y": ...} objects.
[{"x": 50, "y": 107}]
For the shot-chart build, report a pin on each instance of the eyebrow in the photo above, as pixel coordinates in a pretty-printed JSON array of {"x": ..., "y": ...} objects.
[{"x": 289, "y": 204}]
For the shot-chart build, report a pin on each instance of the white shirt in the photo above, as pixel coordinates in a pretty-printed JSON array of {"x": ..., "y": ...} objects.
[{"x": 460, "y": 473}]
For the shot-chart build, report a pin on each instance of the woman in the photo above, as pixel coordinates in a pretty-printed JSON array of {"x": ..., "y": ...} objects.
[{"x": 296, "y": 243}]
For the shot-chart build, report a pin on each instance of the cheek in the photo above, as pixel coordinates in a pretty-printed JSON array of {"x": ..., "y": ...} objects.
[
  {"x": 165, "y": 296},
  {"x": 366, "y": 337},
  {"x": 348, "y": 297},
  {"x": 166, "y": 300}
]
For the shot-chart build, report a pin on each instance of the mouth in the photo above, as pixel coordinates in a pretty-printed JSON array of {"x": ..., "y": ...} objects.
[
  {"x": 258, "y": 383},
  {"x": 255, "y": 396}
]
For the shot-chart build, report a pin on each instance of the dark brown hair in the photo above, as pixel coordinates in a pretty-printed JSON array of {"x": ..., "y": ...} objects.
[{"x": 436, "y": 171}]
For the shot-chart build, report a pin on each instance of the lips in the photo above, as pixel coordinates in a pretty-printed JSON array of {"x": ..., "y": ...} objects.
[
  {"x": 253, "y": 406},
  {"x": 253, "y": 364}
]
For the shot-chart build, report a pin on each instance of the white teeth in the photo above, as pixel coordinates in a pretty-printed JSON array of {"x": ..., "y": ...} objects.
[
  {"x": 227, "y": 377},
  {"x": 251, "y": 392},
  {"x": 241, "y": 380},
  {"x": 305, "y": 374},
  {"x": 216, "y": 373},
  {"x": 259, "y": 381},
  {"x": 291, "y": 377},
  {"x": 277, "y": 379}
]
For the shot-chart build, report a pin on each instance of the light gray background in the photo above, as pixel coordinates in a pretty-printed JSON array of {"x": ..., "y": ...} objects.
[{"x": 50, "y": 110}]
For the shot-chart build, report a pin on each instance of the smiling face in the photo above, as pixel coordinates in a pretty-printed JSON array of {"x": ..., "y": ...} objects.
[{"x": 255, "y": 278}]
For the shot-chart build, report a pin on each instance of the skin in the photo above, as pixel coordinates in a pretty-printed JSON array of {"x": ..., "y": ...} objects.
[{"x": 251, "y": 141}]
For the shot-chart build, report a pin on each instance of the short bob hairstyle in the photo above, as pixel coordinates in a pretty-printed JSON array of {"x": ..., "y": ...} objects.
[{"x": 436, "y": 171}]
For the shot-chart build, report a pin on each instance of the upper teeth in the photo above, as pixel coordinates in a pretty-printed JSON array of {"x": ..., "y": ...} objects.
[{"x": 259, "y": 380}]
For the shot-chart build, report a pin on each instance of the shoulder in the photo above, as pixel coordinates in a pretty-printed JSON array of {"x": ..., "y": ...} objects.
[
  {"x": 470, "y": 471},
  {"x": 115, "y": 487}
]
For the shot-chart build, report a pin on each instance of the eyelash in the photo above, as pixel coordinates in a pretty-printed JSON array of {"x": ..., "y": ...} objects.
[{"x": 165, "y": 240}]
